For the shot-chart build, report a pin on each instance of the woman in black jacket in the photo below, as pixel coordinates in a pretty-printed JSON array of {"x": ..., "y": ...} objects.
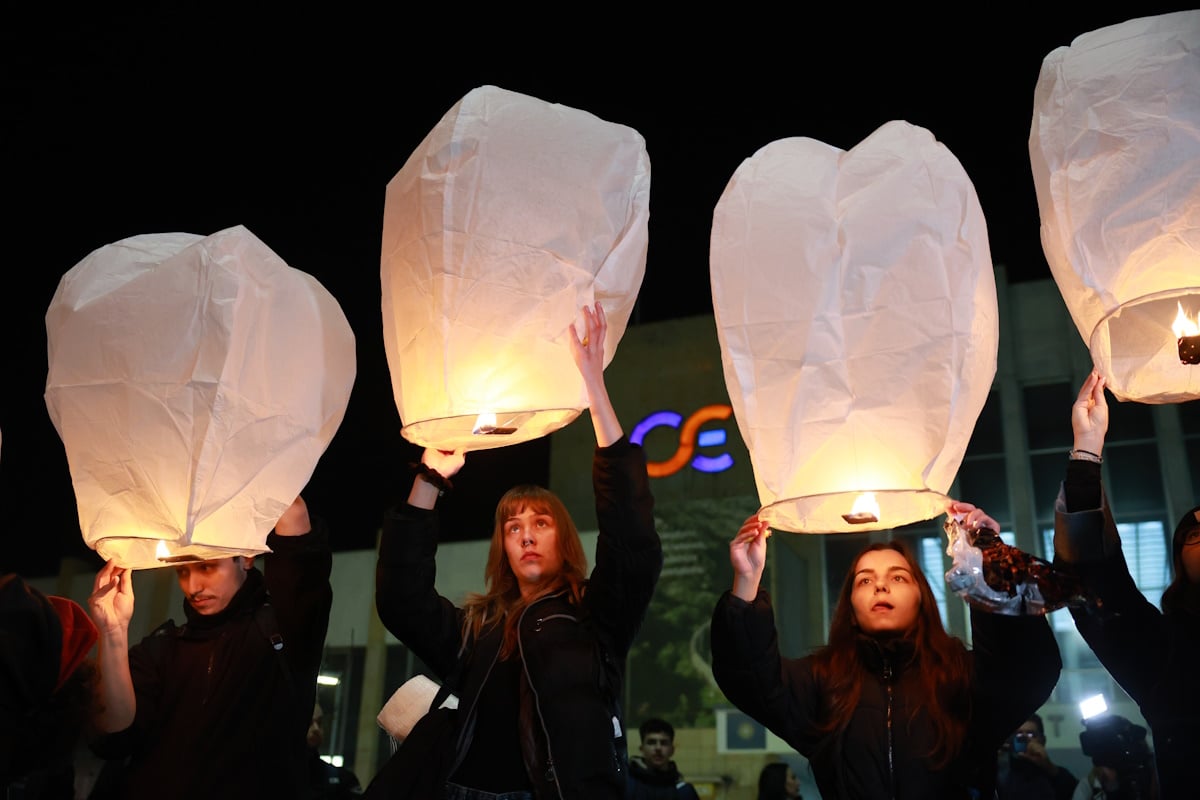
[
  {"x": 892, "y": 706},
  {"x": 537, "y": 661},
  {"x": 1153, "y": 655}
]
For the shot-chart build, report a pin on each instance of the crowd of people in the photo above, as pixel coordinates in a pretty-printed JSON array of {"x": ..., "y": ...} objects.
[{"x": 531, "y": 671}]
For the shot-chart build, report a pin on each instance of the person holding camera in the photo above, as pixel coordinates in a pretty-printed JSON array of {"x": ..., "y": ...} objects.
[
  {"x": 1026, "y": 770},
  {"x": 1122, "y": 763},
  {"x": 1151, "y": 654}
]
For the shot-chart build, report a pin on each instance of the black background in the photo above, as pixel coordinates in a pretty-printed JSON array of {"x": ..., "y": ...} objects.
[{"x": 197, "y": 118}]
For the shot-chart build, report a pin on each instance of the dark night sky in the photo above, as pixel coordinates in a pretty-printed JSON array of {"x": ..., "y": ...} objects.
[{"x": 292, "y": 125}]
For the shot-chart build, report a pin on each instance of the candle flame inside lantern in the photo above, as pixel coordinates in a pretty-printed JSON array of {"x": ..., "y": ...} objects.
[
  {"x": 1185, "y": 326},
  {"x": 865, "y": 509},
  {"x": 164, "y": 555},
  {"x": 485, "y": 425}
]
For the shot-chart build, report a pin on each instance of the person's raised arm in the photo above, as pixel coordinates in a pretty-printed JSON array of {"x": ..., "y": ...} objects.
[
  {"x": 588, "y": 353},
  {"x": 295, "y": 521},
  {"x": 111, "y": 605},
  {"x": 438, "y": 466},
  {"x": 748, "y": 556}
]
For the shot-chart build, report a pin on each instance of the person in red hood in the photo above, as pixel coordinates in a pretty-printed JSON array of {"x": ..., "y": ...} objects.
[{"x": 46, "y": 688}]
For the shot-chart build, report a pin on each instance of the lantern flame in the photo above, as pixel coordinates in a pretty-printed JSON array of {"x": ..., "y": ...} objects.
[
  {"x": 164, "y": 555},
  {"x": 486, "y": 425},
  {"x": 865, "y": 509},
  {"x": 1185, "y": 326}
]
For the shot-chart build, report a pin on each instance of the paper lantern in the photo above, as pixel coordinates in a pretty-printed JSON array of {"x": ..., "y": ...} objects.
[
  {"x": 195, "y": 382},
  {"x": 1115, "y": 151},
  {"x": 856, "y": 313},
  {"x": 510, "y": 216}
]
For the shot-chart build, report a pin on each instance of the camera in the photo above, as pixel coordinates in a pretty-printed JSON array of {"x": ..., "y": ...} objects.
[
  {"x": 1020, "y": 740},
  {"x": 1113, "y": 741}
]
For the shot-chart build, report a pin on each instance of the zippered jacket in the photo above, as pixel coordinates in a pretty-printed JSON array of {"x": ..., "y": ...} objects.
[
  {"x": 883, "y": 751},
  {"x": 571, "y": 730}
]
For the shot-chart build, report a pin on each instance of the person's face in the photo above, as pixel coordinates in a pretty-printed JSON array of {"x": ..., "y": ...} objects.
[
  {"x": 1191, "y": 554},
  {"x": 531, "y": 544},
  {"x": 657, "y": 749},
  {"x": 791, "y": 784},
  {"x": 210, "y": 585},
  {"x": 885, "y": 596}
]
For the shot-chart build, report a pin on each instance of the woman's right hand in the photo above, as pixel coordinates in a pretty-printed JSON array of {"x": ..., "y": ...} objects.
[
  {"x": 748, "y": 557},
  {"x": 446, "y": 462}
]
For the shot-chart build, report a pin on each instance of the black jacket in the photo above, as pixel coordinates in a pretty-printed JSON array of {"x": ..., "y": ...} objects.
[
  {"x": 647, "y": 784},
  {"x": 1016, "y": 666},
  {"x": 1153, "y": 656},
  {"x": 572, "y": 657},
  {"x": 220, "y": 712}
]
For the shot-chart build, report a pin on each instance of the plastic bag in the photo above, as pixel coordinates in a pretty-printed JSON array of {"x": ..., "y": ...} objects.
[{"x": 999, "y": 578}]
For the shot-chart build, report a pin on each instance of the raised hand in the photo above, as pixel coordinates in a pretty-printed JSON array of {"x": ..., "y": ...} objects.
[
  {"x": 111, "y": 601},
  {"x": 1089, "y": 415},
  {"x": 295, "y": 521},
  {"x": 446, "y": 462},
  {"x": 748, "y": 557}
]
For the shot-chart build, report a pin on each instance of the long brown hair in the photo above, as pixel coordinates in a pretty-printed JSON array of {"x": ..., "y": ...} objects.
[
  {"x": 1175, "y": 596},
  {"x": 502, "y": 603},
  {"x": 944, "y": 666}
]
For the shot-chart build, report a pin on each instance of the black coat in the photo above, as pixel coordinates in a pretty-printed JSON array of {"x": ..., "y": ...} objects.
[
  {"x": 1016, "y": 665},
  {"x": 1153, "y": 656},
  {"x": 220, "y": 711},
  {"x": 572, "y": 735}
]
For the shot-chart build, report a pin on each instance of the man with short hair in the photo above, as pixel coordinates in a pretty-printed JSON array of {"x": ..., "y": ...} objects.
[
  {"x": 1031, "y": 774},
  {"x": 220, "y": 706},
  {"x": 653, "y": 775}
]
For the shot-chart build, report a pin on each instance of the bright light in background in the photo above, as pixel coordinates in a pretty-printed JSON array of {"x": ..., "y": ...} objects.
[
  {"x": 328, "y": 680},
  {"x": 1092, "y": 706}
]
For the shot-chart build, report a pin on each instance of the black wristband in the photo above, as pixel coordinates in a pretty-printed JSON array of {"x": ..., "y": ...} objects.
[{"x": 433, "y": 477}]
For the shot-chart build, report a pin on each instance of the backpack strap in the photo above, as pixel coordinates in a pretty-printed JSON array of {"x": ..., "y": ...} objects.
[{"x": 264, "y": 617}]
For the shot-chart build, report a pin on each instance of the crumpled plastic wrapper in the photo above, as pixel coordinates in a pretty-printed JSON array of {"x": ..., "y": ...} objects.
[{"x": 1001, "y": 579}]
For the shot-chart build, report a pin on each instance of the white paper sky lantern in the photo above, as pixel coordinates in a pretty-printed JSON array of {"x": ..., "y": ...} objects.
[
  {"x": 856, "y": 312},
  {"x": 195, "y": 382},
  {"x": 510, "y": 216},
  {"x": 1115, "y": 150}
]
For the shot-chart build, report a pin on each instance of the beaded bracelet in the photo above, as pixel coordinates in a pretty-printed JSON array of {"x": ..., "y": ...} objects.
[
  {"x": 432, "y": 476},
  {"x": 1085, "y": 455}
]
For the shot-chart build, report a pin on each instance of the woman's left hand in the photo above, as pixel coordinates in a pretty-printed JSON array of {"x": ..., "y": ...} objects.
[
  {"x": 973, "y": 518},
  {"x": 588, "y": 351}
]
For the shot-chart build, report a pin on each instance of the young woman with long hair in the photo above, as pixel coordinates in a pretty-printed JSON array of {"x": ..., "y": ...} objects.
[
  {"x": 892, "y": 706},
  {"x": 536, "y": 661}
]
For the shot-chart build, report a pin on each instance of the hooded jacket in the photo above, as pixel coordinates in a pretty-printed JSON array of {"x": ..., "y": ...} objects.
[
  {"x": 572, "y": 657},
  {"x": 220, "y": 711},
  {"x": 882, "y": 753},
  {"x": 649, "y": 784}
]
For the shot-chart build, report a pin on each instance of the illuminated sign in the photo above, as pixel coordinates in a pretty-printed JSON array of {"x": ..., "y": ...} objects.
[{"x": 690, "y": 437}]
